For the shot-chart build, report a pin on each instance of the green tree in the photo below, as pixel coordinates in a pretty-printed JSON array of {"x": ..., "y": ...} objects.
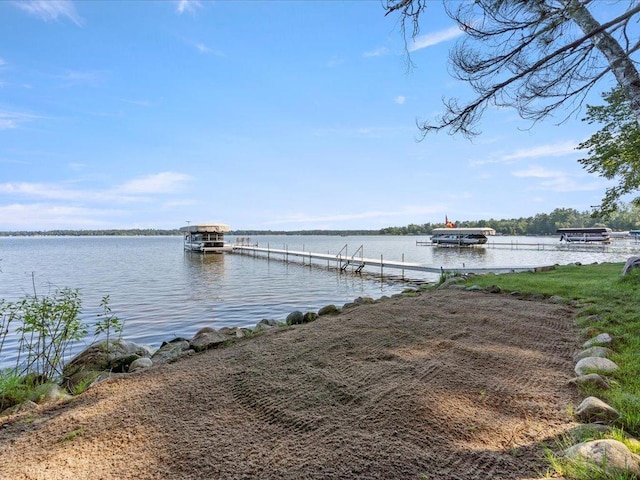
[{"x": 614, "y": 151}]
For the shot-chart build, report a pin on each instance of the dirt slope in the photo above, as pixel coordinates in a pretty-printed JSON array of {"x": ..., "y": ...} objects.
[{"x": 451, "y": 384}]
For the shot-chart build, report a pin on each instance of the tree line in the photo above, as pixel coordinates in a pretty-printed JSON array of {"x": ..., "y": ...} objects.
[{"x": 627, "y": 217}]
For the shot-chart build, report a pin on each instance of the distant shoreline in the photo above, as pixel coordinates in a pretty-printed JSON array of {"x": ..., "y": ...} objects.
[{"x": 177, "y": 233}]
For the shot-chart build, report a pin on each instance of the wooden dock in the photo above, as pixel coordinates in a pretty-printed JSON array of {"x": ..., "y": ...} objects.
[{"x": 358, "y": 263}]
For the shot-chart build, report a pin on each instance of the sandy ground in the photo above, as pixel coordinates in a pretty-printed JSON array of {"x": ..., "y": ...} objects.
[{"x": 446, "y": 385}]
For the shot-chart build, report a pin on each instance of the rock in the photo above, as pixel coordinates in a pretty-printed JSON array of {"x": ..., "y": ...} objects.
[
  {"x": 449, "y": 282},
  {"x": 493, "y": 289},
  {"x": 632, "y": 262},
  {"x": 328, "y": 310},
  {"x": 474, "y": 288},
  {"x": 558, "y": 300},
  {"x": 610, "y": 456},
  {"x": 242, "y": 332},
  {"x": 98, "y": 358},
  {"x": 140, "y": 364},
  {"x": 594, "y": 410},
  {"x": 228, "y": 331},
  {"x": 595, "y": 365},
  {"x": 171, "y": 351},
  {"x": 207, "y": 338},
  {"x": 596, "y": 351},
  {"x": 363, "y": 300},
  {"x": 266, "y": 323},
  {"x": 587, "y": 431},
  {"x": 25, "y": 406},
  {"x": 602, "y": 339},
  {"x": 590, "y": 379},
  {"x": 309, "y": 317},
  {"x": 295, "y": 318}
]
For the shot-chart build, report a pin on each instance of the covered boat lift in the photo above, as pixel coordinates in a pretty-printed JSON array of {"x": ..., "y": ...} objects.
[{"x": 206, "y": 238}]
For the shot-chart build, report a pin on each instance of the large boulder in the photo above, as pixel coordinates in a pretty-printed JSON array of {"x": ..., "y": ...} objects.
[
  {"x": 140, "y": 364},
  {"x": 608, "y": 456},
  {"x": 589, "y": 380},
  {"x": 171, "y": 351},
  {"x": 595, "y": 365},
  {"x": 295, "y": 318},
  {"x": 266, "y": 323},
  {"x": 594, "y": 410},
  {"x": 207, "y": 338},
  {"x": 602, "y": 339},
  {"x": 328, "y": 310},
  {"x": 115, "y": 357},
  {"x": 632, "y": 262},
  {"x": 595, "y": 351}
]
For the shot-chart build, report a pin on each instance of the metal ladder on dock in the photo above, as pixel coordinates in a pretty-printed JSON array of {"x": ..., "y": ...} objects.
[{"x": 351, "y": 260}]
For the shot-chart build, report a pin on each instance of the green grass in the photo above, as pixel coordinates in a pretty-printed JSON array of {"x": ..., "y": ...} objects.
[
  {"x": 607, "y": 302},
  {"x": 71, "y": 435}
]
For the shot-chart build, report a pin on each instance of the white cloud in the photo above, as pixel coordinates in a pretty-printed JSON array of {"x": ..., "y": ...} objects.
[
  {"x": 568, "y": 184},
  {"x": 552, "y": 150},
  {"x": 72, "y": 78},
  {"x": 538, "y": 172},
  {"x": 24, "y": 217},
  {"x": 557, "y": 180},
  {"x": 434, "y": 38},
  {"x": 50, "y": 10},
  {"x": 560, "y": 149},
  {"x": 41, "y": 190},
  {"x": 400, "y": 99},
  {"x": 135, "y": 191},
  {"x": 164, "y": 182},
  {"x": 378, "y": 52},
  {"x": 202, "y": 48},
  {"x": 189, "y": 6},
  {"x": 2, "y": 62},
  {"x": 10, "y": 120}
]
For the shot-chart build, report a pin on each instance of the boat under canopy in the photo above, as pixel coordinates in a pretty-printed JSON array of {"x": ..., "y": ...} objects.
[
  {"x": 461, "y": 236},
  {"x": 588, "y": 234},
  {"x": 206, "y": 237}
]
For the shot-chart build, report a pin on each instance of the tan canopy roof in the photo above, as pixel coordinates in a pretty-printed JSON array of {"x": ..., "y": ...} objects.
[{"x": 206, "y": 228}]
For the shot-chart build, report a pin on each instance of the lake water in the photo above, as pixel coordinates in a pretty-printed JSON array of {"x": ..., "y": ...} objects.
[{"x": 162, "y": 292}]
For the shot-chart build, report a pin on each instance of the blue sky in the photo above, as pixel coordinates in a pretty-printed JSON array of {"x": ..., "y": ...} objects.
[{"x": 263, "y": 115}]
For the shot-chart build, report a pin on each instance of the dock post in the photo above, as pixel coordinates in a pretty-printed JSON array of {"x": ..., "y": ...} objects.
[
  {"x": 403, "y": 268},
  {"x": 268, "y": 251},
  {"x": 381, "y": 268}
]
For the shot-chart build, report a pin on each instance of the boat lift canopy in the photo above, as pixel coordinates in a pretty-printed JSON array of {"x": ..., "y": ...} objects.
[
  {"x": 206, "y": 228},
  {"x": 464, "y": 231}
]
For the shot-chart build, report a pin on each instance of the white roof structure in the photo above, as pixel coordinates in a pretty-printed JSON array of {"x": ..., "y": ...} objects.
[
  {"x": 464, "y": 231},
  {"x": 206, "y": 228}
]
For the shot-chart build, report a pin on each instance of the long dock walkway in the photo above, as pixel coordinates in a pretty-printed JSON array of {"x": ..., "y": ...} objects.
[{"x": 359, "y": 263}]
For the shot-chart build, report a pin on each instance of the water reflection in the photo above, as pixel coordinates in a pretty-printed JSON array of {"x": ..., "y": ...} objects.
[{"x": 459, "y": 257}]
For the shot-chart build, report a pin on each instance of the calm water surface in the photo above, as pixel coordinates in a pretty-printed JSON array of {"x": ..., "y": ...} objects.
[{"x": 161, "y": 292}]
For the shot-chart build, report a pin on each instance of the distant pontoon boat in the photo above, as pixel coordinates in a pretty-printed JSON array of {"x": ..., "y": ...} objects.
[
  {"x": 461, "y": 236},
  {"x": 589, "y": 234},
  {"x": 206, "y": 238}
]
